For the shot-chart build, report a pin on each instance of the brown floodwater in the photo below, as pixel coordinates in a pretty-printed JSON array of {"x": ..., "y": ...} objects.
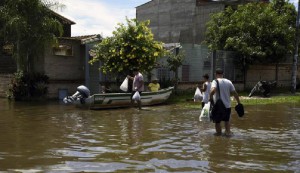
[{"x": 52, "y": 137}]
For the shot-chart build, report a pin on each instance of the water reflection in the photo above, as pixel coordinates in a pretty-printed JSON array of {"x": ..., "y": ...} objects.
[{"x": 49, "y": 137}]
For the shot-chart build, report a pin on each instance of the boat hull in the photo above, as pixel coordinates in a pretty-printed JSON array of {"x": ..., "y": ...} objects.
[{"x": 118, "y": 100}]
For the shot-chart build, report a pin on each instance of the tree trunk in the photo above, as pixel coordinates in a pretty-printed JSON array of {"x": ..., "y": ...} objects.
[
  {"x": 276, "y": 72},
  {"x": 245, "y": 72},
  {"x": 295, "y": 59},
  {"x": 18, "y": 58},
  {"x": 176, "y": 81},
  {"x": 294, "y": 74},
  {"x": 245, "y": 78}
]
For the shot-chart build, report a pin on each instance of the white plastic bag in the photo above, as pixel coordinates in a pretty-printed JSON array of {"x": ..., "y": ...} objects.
[
  {"x": 198, "y": 95},
  {"x": 205, "y": 113},
  {"x": 136, "y": 96},
  {"x": 124, "y": 85}
]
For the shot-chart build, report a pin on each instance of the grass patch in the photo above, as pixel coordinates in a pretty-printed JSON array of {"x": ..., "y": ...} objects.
[
  {"x": 271, "y": 100},
  {"x": 186, "y": 100}
]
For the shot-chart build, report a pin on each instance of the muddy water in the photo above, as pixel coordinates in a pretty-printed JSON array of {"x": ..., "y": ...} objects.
[{"x": 51, "y": 137}]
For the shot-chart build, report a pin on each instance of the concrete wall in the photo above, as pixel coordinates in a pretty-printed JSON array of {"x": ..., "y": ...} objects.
[
  {"x": 195, "y": 58},
  {"x": 92, "y": 78},
  {"x": 268, "y": 72},
  {"x": 177, "y": 20},
  {"x": 55, "y": 86},
  {"x": 191, "y": 86}
]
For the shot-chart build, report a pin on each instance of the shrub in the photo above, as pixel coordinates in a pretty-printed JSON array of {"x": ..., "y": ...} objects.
[{"x": 25, "y": 86}]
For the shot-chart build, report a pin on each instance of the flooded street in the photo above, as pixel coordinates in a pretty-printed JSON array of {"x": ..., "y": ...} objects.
[{"x": 52, "y": 137}]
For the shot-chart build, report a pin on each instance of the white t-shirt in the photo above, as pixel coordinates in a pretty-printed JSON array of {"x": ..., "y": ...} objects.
[
  {"x": 226, "y": 87},
  {"x": 206, "y": 92}
]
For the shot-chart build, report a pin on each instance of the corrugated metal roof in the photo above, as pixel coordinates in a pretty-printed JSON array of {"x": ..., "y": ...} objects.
[{"x": 171, "y": 46}]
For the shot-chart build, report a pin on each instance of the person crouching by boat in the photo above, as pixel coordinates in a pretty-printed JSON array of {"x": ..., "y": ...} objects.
[
  {"x": 105, "y": 88},
  {"x": 137, "y": 85},
  {"x": 154, "y": 86}
]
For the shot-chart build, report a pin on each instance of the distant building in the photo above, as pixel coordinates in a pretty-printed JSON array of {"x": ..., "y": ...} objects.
[{"x": 182, "y": 21}]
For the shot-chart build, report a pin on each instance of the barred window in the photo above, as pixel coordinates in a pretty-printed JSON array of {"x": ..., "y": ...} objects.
[
  {"x": 163, "y": 74},
  {"x": 63, "y": 50},
  {"x": 185, "y": 73},
  {"x": 7, "y": 49}
]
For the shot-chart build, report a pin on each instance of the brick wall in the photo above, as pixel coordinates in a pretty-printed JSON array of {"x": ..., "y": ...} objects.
[
  {"x": 4, "y": 83},
  {"x": 65, "y": 67},
  {"x": 7, "y": 64},
  {"x": 65, "y": 72}
]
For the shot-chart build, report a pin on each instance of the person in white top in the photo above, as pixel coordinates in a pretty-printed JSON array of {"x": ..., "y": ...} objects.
[
  {"x": 205, "y": 89},
  {"x": 226, "y": 89},
  {"x": 137, "y": 85}
]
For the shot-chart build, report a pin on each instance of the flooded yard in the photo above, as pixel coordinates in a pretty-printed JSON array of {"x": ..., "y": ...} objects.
[{"x": 52, "y": 137}]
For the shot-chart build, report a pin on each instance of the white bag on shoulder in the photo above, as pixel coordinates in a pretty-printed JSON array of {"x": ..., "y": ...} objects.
[
  {"x": 198, "y": 95},
  {"x": 205, "y": 113},
  {"x": 136, "y": 96},
  {"x": 124, "y": 85}
]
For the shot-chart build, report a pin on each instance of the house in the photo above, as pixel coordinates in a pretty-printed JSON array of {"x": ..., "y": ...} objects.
[
  {"x": 66, "y": 64},
  {"x": 184, "y": 22},
  {"x": 173, "y": 21}
]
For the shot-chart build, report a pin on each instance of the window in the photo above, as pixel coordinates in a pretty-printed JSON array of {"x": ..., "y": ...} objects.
[
  {"x": 63, "y": 50},
  {"x": 163, "y": 74},
  {"x": 7, "y": 49},
  {"x": 185, "y": 73},
  {"x": 206, "y": 64}
]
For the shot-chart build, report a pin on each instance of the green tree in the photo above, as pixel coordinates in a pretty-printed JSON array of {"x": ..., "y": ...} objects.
[
  {"x": 131, "y": 45},
  {"x": 258, "y": 32},
  {"x": 174, "y": 62},
  {"x": 29, "y": 26},
  {"x": 53, "y": 4}
]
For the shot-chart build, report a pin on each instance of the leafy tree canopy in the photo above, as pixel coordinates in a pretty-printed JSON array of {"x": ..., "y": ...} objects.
[
  {"x": 29, "y": 26},
  {"x": 258, "y": 32},
  {"x": 175, "y": 61},
  {"x": 131, "y": 46}
]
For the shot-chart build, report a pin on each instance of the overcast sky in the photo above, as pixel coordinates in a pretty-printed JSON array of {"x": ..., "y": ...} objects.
[
  {"x": 98, "y": 16},
  {"x": 101, "y": 16}
]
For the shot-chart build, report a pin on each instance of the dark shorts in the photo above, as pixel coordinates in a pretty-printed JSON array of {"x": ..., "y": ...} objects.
[
  {"x": 227, "y": 116},
  {"x": 133, "y": 92}
]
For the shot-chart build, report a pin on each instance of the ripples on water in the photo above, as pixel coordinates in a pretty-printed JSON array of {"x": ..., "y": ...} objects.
[{"x": 58, "y": 138}]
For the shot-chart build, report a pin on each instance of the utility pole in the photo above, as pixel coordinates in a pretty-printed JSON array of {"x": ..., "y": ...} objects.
[{"x": 295, "y": 59}]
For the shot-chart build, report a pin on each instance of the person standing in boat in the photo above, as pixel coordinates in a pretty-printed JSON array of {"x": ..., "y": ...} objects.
[{"x": 137, "y": 85}]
